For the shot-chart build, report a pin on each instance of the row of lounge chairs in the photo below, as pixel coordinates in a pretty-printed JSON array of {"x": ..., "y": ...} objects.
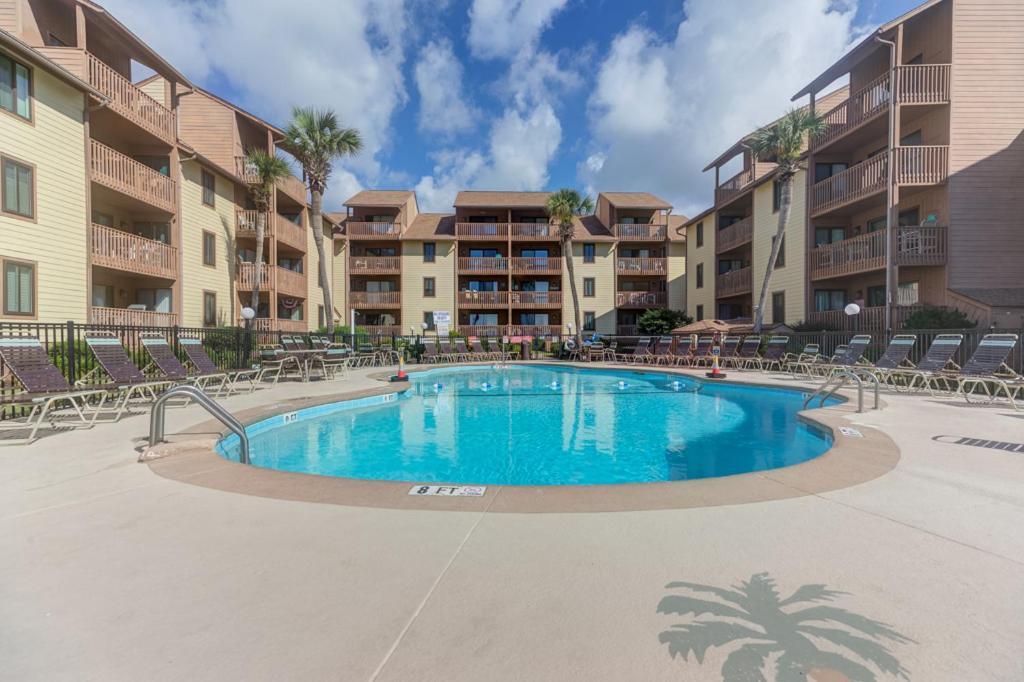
[
  {"x": 986, "y": 373},
  {"x": 441, "y": 350}
]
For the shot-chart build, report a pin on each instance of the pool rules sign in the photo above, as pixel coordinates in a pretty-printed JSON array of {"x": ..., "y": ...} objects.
[
  {"x": 449, "y": 490},
  {"x": 442, "y": 322}
]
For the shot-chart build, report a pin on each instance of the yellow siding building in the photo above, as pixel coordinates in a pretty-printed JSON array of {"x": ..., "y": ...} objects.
[
  {"x": 700, "y": 266},
  {"x": 207, "y": 248},
  {"x": 787, "y": 290}
]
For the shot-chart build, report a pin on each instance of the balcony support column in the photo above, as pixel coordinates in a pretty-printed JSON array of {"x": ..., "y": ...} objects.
[{"x": 891, "y": 195}]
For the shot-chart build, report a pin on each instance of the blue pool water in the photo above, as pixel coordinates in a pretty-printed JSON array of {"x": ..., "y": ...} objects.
[{"x": 541, "y": 425}]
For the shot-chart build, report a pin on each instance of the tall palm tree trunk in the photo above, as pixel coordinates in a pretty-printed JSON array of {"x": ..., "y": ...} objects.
[
  {"x": 567, "y": 255},
  {"x": 316, "y": 222},
  {"x": 257, "y": 267},
  {"x": 785, "y": 206}
]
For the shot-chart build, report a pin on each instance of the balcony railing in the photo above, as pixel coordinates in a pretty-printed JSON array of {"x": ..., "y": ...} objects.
[
  {"x": 739, "y": 182},
  {"x": 247, "y": 221},
  {"x": 376, "y": 230},
  {"x": 264, "y": 324},
  {"x": 245, "y": 171},
  {"x": 536, "y": 299},
  {"x": 483, "y": 299},
  {"x": 131, "y": 102},
  {"x": 289, "y": 233},
  {"x": 290, "y": 282},
  {"x": 120, "y": 250},
  {"x": 921, "y": 165},
  {"x": 379, "y": 329},
  {"x": 922, "y": 83},
  {"x": 733, "y": 283},
  {"x": 127, "y": 176},
  {"x": 132, "y": 318},
  {"x": 737, "y": 234},
  {"x": 374, "y": 265},
  {"x": 534, "y": 330},
  {"x": 915, "y": 246},
  {"x": 483, "y": 329},
  {"x": 484, "y": 265},
  {"x": 852, "y": 184},
  {"x": 626, "y": 330},
  {"x": 534, "y": 231},
  {"x": 641, "y": 232},
  {"x": 869, "y": 319},
  {"x": 482, "y": 231},
  {"x": 921, "y": 245},
  {"x": 641, "y": 266},
  {"x": 640, "y": 299},
  {"x": 245, "y": 276},
  {"x": 375, "y": 299},
  {"x": 549, "y": 265}
]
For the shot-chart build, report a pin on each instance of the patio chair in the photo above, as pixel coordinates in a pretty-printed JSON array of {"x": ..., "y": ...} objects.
[
  {"x": 481, "y": 354},
  {"x": 640, "y": 352},
  {"x": 701, "y": 353},
  {"x": 162, "y": 356},
  {"x": 774, "y": 354},
  {"x": 461, "y": 351},
  {"x": 849, "y": 358},
  {"x": 335, "y": 360},
  {"x": 937, "y": 361},
  {"x": 987, "y": 370},
  {"x": 810, "y": 353},
  {"x": 662, "y": 354},
  {"x": 292, "y": 342},
  {"x": 746, "y": 356},
  {"x": 728, "y": 350},
  {"x": 130, "y": 384},
  {"x": 444, "y": 348},
  {"x": 204, "y": 366},
  {"x": 274, "y": 362},
  {"x": 430, "y": 353},
  {"x": 896, "y": 356},
  {"x": 46, "y": 391},
  {"x": 808, "y": 363}
]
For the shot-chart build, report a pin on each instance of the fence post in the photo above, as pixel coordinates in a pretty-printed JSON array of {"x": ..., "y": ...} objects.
[
  {"x": 174, "y": 339},
  {"x": 69, "y": 351}
]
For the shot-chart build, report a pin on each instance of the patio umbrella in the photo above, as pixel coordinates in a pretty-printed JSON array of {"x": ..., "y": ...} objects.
[{"x": 704, "y": 327}]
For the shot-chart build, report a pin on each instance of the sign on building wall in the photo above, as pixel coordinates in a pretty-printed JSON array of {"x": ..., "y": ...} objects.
[{"x": 442, "y": 322}]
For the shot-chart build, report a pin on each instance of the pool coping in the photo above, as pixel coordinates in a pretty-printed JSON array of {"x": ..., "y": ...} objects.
[{"x": 189, "y": 457}]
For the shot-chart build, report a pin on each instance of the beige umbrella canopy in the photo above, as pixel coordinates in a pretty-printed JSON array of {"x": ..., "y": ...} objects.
[{"x": 712, "y": 326}]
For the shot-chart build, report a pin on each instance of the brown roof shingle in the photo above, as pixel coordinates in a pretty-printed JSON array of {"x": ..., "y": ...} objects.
[
  {"x": 677, "y": 228},
  {"x": 380, "y": 197},
  {"x": 489, "y": 199},
  {"x": 635, "y": 200},
  {"x": 440, "y": 226}
]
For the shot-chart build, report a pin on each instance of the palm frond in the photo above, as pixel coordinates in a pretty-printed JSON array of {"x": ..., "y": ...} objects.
[
  {"x": 784, "y": 140},
  {"x": 866, "y": 625},
  {"x": 315, "y": 138},
  {"x": 682, "y": 605},
  {"x": 732, "y": 596},
  {"x": 697, "y": 638},
  {"x": 867, "y": 649},
  {"x": 811, "y": 593}
]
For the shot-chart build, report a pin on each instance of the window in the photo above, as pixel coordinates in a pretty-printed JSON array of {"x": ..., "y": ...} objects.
[
  {"x": 429, "y": 287},
  {"x": 18, "y": 189},
  {"x": 907, "y": 294},
  {"x": 776, "y": 196},
  {"x": 829, "y": 235},
  {"x": 428, "y": 319},
  {"x": 911, "y": 139},
  {"x": 589, "y": 322},
  {"x": 824, "y": 171},
  {"x": 779, "y": 307},
  {"x": 829, "y": 299},
  {"x": 209, "y": 187},
  {"x": 876, "y": 224},
  {"x": 429, "y": 252},
  {"x": 209, "y": 249},
  {"x": 700, "y": 313},
  {"x": 876, "y": 296},
  {"x": 589, "y": 253},
  {"x": 781, "y": 260},
  {"x": 700, "y": 234},
  {"x": 588, "y": 287},
  {"x": 15, "y": 88},
  {"x": 209, "y": 309},
  {"x": 700, "y": 275},
  {"x": 19, "y": 288}
]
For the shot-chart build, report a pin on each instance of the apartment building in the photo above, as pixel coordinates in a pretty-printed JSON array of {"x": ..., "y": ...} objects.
[
  {"x": 496, "y": 265},
  {"x": 142, "y": 184},
  {"x": 931, "y": 141}
]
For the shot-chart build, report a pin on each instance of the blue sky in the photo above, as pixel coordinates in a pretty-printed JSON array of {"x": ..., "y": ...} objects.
[{"x": 515, "y": 94}]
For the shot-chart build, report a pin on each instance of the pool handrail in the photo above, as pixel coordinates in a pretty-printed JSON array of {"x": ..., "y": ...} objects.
[{"x": 157, "y": 417}]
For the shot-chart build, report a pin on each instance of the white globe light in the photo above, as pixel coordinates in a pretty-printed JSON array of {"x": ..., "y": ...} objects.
[
  {"x": 248, "y": 313},
  {"x": 851, "y": 309}
]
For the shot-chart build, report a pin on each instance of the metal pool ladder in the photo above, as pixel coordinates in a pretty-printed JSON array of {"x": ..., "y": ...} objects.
[
  {"x": 157, "y": 417},
  {"x": 838, "y": 380}
]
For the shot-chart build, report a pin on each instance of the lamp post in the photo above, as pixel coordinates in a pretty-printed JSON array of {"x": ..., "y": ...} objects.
[
  {"x": 852, "y": 310},
  {"x": 248, "y": 314}
]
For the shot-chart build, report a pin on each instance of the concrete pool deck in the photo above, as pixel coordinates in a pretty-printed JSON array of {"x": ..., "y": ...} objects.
[{"x": 112, "y": 571}]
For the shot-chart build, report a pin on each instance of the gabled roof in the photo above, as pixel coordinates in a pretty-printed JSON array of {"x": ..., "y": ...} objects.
[
  {"x": 25, "y": 51},
  {"x": 489, "y": 199},
  {"x": 1005, "y": 297},
  {"x": 677, "y": 228},
  {"x": 237, "y": 109},
  {"x": 380, "y": 197},
  {"x": 635, "y": 200},
  {"x": 700, "y": 216},
  {"x": 439, "y": 226}
]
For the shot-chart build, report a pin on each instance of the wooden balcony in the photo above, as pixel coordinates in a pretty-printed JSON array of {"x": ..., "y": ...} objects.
[
  {"x": 734, "y": 235},
  {"x": 266, "y": 324},
  {"x": 375, "y": 299},
  {"x": 291, "y": 283},
  {"x": 124, "y": 174},
  {"x": 294, "y": 188},
  {"x": 641, "y": 299},
  {"x": 915, "y": 84},
  {"x": 120, "y": 250},
  {"x": 921, "y": 165},
  {"x": 124, "y": 317},
  {"x": 737, "y": 184},
  {"x": 245, "y": 276},
  {"x": 869, "y": 318},
  {"x": 482, "y": 299},
  {"x": 245, "y": 171},
  {"x": 289, "y": 233},
  {"x": 626, "y": 330},
  {"x": 533, "y": 330},
  {"x": 482, "y": 231},
  {"x": 484, "y": 266},
  {"x": 915, "y": 246},
  {"x": 483, "y": 330},
  {"x": 379, "y": 329},
  {"x": 551, "y": 265},
  {"x": 642, "y": 266},
  {"x": 642, "y": 232},
  {"x": 733, "y": 283},
  {"x": 246, "y": 222},
  {"x": 131, "y": 102},
  {"x": 853, "y": 184},
  {"x": 533, "y": 232},
  {"x": 374, "y": 265},
  {"x": 368, "y": 230},
  {"x": 536, "y": 299}
]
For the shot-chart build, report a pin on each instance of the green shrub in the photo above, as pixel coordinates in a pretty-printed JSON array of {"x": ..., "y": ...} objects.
[
  {"x": 802, "y": 326},
  {"x": 661, "y": 321},
  {"x": 935, "y": 317}
]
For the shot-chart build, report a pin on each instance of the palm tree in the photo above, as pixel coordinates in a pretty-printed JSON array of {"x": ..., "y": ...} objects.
[
  {"x": 564, "y": 206},
  {"x": 316, "y": 139},
  {"x": 783, "y": 142},
  {"x": 266, "y": 169},
  {"x": 753, "y": 615}
]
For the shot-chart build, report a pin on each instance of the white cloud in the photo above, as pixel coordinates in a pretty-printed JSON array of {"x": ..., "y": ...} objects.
[
  {"x": 660, "y": 111},
  {"x": 444, "y": 106},
  {"x": 500, "y": 28}
]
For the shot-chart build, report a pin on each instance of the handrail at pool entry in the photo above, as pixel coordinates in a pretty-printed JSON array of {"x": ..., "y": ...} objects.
[
  {"x": 157, "y": 417},
  {"x": 838, "y": 380}
]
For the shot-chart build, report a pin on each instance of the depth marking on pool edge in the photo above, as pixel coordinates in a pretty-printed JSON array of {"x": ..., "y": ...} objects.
[{"x": 449, "y": 490}]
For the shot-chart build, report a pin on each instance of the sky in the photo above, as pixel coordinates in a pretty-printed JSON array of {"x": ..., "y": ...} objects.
[{"x": 598, "y": 95}]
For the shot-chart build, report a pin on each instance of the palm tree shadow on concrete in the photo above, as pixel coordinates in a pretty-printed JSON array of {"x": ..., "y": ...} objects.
[{"x": 805, "y": 639}]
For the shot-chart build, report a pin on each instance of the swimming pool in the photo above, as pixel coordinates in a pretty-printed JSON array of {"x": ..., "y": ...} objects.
[{"x": 541, "y": 425}]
